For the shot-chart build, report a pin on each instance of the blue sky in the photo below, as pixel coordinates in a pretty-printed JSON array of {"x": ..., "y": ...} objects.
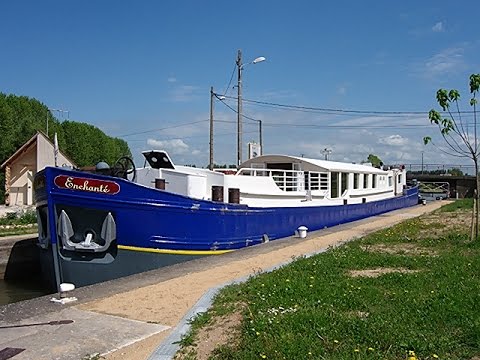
[{"x": 146, "y": 67}]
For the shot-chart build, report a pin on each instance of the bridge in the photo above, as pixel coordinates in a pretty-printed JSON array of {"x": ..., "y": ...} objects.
[
  {"x": 454, "y": 169},
  {"x": 460, "y": 186}
]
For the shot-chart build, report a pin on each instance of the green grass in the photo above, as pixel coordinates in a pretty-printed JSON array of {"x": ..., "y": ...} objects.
[
  {"x": 458, "y": 204},
  {"x": 313, "y": 308},
  {"x": 14, "y": 224},
  {"x": 19, "y": 231}
]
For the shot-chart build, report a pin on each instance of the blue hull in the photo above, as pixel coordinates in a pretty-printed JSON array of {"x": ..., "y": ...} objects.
[{"x": 156, "y": 228}]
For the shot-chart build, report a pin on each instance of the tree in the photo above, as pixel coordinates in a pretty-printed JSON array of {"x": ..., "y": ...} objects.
[
  {"x": 374, "y": 160},
  {"x": 461, "y": 140},
  {"x": 455, "y": 172},
  {"x": 21, "y": 117},
  {"x": 88, "y": 144}
]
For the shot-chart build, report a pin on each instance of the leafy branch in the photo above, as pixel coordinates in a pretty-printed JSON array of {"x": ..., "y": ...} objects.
[{"x": 454, "y": 129}]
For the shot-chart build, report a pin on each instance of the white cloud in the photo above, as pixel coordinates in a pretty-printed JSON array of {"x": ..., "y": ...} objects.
[
  {"x": 354, "y": 145},
  {"x": 279, "y": 94},
  {"x": 438, "y": 27},
  {"x": 172, "y": 79},
  {"x": 393, "y": 140},
  {"x": 174, "y": 146},
  {"x": 184, "y": 93},
  {"x": 448, "y": 61},
  {"x": 366, "y": 120}
]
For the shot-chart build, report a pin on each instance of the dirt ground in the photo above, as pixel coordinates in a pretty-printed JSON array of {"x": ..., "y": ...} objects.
[
  {"x": 167, "y": 302},
  {"x": 379, "y": 272},
  {"x": 224, "y": 330}
]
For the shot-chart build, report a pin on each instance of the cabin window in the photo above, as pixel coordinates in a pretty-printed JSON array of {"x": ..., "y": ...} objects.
[
  {"x": 344, "y": 182},
  {"x": 257, "y": 165},
  {"x": 356, "y": 181},
  {"x": 323, "y": 181},
  {"x": 365, "y": 181},
  {"x": 374, "y": 181},
  {"x": 310, "y": 180},
  {"x": 259, "y": 169},
  {"x": 316, "y": 181},
  {"x": 399, "y": 178},
  {"x": 334, "y": 177},
  {"x": 390, "y": 181}
]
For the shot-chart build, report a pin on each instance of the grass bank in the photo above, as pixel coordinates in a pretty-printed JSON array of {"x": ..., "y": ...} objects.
[{"x": 412, "y": 287}]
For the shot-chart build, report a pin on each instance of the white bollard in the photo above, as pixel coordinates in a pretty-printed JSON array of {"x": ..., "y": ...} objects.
[
  {"x": 302, "y": 232},
  {"x": 66, "y": 287}
]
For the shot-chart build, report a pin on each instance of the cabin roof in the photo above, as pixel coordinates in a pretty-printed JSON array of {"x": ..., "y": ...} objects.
[{"x": 323, "y": 164}]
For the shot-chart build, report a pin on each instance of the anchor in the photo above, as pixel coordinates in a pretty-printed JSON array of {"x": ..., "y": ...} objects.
[{"x": 65, "y": 232}]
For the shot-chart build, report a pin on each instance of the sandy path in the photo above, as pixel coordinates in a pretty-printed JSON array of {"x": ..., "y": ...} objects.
[{"x": 167, "y": 302}]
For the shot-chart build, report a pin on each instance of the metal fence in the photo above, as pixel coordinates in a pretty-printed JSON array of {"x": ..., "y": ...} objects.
[{"x": 439, "y": 169}]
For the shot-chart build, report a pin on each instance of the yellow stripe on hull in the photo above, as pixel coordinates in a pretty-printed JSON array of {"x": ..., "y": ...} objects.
[{"x": 175, "y": 252}]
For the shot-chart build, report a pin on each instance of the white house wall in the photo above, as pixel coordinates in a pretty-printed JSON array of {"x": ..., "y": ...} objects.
[
  {"x": 45, "y": 155},
  {"x": 23, "y": 168},
  {"x": 22, "y": 172}
]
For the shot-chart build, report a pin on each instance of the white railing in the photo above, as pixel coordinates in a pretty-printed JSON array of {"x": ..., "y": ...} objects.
[
  {"x": 291, "y": 180},
  {"x": 286, "y": 180},
  {"x": 317, "y": 180}
]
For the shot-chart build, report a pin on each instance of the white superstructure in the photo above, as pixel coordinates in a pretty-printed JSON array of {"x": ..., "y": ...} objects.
[{"x": 279, "y": 181}]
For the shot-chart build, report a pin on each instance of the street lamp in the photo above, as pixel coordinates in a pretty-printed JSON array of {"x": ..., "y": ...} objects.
[
  {"x": 326, "y": 152},
  {"x": 239, "y": 102},
  {"x": 60, "y": 111}
]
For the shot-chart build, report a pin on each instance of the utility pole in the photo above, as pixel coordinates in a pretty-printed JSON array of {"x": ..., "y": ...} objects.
[
  {"x": 239, "y": 102},
  {"x": 210, "y": 166},
  {"x": 422, "y": 162},
  {"x": 260, "y": 135},
  {"x": 239, "y": 108}
]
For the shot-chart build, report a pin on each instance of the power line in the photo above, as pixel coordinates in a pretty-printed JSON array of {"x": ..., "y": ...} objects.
[
  {"x": 319, "y": 109},
  {"x": 342, "y": 111},
  {"x": 252, "y": 119},
  {"x": 328, "y": 126},
  {"x": 310, "y": 126},
  {"x": 164, "y": 128},
  {"x": 337, "y": 112},
  {"x": 236, "y": 112},
  {"x": 335, "y": 126},
  {"x": 193, "y": 136},
  {"x": 405, "y": 126},
  {"x": 230, "y": 82}
]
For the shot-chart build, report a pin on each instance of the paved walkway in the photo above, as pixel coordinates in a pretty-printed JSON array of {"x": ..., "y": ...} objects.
[{"x": 128, "y": 318}]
